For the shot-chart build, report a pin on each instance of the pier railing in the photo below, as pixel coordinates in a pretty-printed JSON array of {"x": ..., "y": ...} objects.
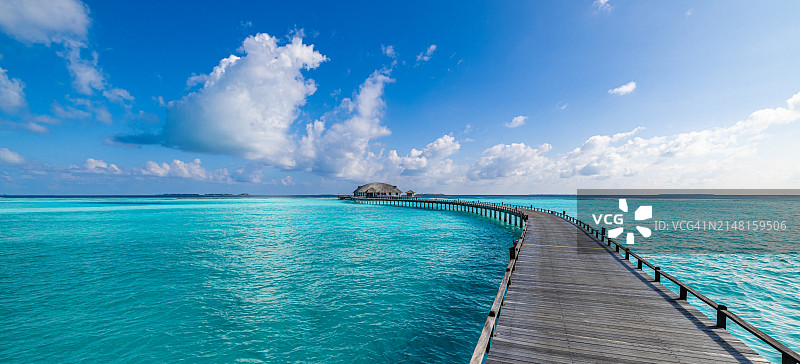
[{"x": 788, "y": 356}]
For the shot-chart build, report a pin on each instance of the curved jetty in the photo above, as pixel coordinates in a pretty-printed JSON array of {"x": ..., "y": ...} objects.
[{"x": 572, "y": 295}]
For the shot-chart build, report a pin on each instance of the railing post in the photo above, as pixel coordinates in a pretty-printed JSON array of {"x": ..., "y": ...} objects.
[
  {"x": 627, "y": 255},
  {"x": 639, "y": 263},
  {"x": 721, "y": 317},
  {"x": 658, "y": 274},
  {"x": 602, "y": 235},
  {"x": 683, "y": 293}
]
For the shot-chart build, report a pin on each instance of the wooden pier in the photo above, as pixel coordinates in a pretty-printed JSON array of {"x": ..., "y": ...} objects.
[{"x": 572, "y": 295}]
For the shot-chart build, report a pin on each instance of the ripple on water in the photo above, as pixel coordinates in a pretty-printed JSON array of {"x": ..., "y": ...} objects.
[{"x": 251, "y": 280}]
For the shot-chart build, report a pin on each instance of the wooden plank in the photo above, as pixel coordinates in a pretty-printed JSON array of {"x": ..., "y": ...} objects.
[
  {"x": 566, "y": 297},
  {"x": 573, "y": 299}
]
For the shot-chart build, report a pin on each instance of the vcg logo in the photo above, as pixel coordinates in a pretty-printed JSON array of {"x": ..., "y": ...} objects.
[{"x": 641, "y": 213}]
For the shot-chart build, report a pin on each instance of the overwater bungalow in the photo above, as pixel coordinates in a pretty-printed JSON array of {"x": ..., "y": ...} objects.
[{"x": 377, "y": 189}]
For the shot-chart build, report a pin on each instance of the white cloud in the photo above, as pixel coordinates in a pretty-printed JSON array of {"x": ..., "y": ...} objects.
[
  {"x": 196, "y": 79},
  {"x": 252, "y": 172},
  {"x": 86, "y": 75},
  {"x": 247, "y": 104},
  {"x": 102, "y": 115},
  {"x": 118, "y": 95},
  {"x": 12, "y": 98},
  {"x": 601, "y": 5},
  {"x": 68, "y": 112},
  {"x": 98, "y": 166},
  {"x": 288, "y": 181},
  {"x": 44, "y": 21},
  {"x": 178, "y": 168},
  {"x": 516, "y": 121},
  {"x": 510, "y": 160},
  {"x": 425, "y": 55},
  {"x": 9, "y": 157},
  {"x": 624, "y": 89},
  {"x": 64, "y": 22},
  {"x": 343, "y": 149},
  {"x": 431, "y": 161},
  {"x": 719, "y": 156},
  {"x": 32, "y": 123},
  {"x": 389, "y": 51}
]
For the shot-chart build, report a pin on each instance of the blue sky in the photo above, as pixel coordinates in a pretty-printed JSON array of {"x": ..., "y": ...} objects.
[{"x": 103, "y": 97}]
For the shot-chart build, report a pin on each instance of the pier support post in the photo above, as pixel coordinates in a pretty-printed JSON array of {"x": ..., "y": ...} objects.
[{"x": 721, "y": 317}]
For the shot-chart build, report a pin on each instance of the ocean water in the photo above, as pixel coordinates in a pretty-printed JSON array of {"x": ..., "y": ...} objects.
[
  {"x": 301, "y": 279},
  {"x": 248, "y": 280}
]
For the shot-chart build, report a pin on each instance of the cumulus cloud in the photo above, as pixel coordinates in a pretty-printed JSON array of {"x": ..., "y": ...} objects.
[
  {"x": 431, "y": 161},
  {"x": 12, "y": 98},
  {"x": 246, "y": 104},
  {"x": 100, "y": 167},
  {"x": 425, "y": 55},
  {"x": 178, "y": 168},
  {"x": 624, "y": 89},
  {"x": 516, "y": 121},
  {"x": 196, "y": 79},
  {"x": 343, "y": 149},
  {"x": 680, "y": 159},
  {"x": 510, "y": 160},
  {"x": 9, "y": 157},
  {"x": 683, "y": 153}
]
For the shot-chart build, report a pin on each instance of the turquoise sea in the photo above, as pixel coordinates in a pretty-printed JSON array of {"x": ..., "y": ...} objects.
[{"x": 294, "y": 280}]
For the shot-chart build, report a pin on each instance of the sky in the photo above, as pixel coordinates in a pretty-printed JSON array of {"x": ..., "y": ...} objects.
[{"x": 496, "y": 97}]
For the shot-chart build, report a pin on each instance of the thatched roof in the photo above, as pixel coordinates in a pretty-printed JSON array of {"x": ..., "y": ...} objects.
[{"x": 378, "y": 187}]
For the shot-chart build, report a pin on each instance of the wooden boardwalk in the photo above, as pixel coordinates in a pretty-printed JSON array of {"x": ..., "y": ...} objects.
[
  {"x": 567, "y": 297},
  {"x": 572, "y": 299}
]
